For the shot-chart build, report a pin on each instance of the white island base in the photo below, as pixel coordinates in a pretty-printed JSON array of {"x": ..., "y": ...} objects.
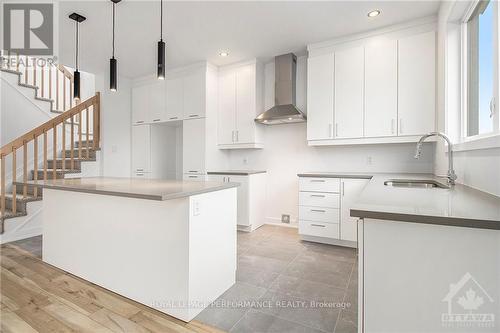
[{"x": 175, "y": 255}]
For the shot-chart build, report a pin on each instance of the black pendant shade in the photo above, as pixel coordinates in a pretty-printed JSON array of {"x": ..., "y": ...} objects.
[
  {"x": 76, "y": 75},
  {"x": 76, "y": 84},
  {"x": 160, "y": 74},
  {"x": 161, "y": 60},
  {"x": 112, "y": 74}
]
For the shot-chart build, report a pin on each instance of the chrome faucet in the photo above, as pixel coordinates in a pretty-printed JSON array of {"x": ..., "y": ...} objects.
[{"x": 451, "y": 172}]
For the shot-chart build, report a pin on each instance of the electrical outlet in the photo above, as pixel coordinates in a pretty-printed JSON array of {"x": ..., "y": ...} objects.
[
  {"x": 369, "y": 160},
  {"x": 196, "y": 208},
  {"x": 245, "y": 160},
  {"x": 285, "y": 218}
]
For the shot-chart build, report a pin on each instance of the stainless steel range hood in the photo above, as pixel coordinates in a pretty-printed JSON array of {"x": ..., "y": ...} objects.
[{"x": 284, "y": 111}]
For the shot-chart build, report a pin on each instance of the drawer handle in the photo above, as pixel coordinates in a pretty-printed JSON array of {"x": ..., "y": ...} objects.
[
  {"x": 193, "y": 176},
  {"x": 193, "y": 115},
  {"x": 139, "y": 121},
  {"x": 174, "y": 118},
  {"x": 139, "y": 169},
  {"x": 317, "y": 181},
  {"x": 156, "y": 119},
  {"x": 192, "y": 171},
  {"x": 318, "y": 211},
  {"x": 317, "y": 196},
  {"x": 318, "y": 225}
]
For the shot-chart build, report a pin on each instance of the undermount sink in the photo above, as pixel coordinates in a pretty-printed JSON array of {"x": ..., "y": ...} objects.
[{"x": 415, "y": 183}]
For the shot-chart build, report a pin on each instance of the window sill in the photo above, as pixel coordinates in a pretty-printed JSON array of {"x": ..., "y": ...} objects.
[{"x": 488, "y": 141}]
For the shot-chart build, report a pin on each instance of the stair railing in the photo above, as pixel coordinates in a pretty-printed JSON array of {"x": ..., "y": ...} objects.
[
  {"x": 54, "y": 81},
  {"x": 88, "y": 115}
]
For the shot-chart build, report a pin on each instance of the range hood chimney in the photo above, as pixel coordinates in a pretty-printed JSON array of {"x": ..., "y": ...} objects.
[{"x": 284, "y": 111}]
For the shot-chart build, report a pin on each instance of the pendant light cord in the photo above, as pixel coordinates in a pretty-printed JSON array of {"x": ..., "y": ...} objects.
[
  {"x": 113, "y": 29},
  {"x": 161, "y": 19},
  {"x": 77, "y": 38}
]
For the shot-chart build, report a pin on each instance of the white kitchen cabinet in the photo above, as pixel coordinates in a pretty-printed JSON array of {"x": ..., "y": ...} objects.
[
  {"x": 227, "y": 108},
  {"x": 251, "y": 198},
  {"x": 157, "y": 107},
  {"x": 141, "y": 149},
  {"x": 381, "y": 88},
  {"x": 416, "y": 84},
  {"x": 240, "y": 101},
  {"x": 140, "y": 105},
  {"x": 193, "y": 140},
  {"x": 174, "y": 100},
  {"x": 349, "y": 80},
  {"x": 320, "y": 96},
  {"x": 324, "y": 209},
  {"x": 194, "y": 90},
  {"x": 350, "y": 192}
]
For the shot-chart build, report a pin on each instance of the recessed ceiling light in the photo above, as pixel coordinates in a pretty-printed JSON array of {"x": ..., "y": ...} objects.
[
  {"x": 374, "y": 13},
  {"x": 224, "y": 53}
]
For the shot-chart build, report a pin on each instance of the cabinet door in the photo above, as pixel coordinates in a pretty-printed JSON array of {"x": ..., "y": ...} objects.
[
  {"x": 417, "y": 84},
  {"x": 243, "y": 198},
  {"x": 174, "y": 87},
  {"x": 140, "y": 105},
  {"x": 349, "y": 78},
  {"x": 381, "y": 88},
  {"x": 217, "y": 178},
  {"x": 194, "y": 95},
  {"x": 245, "y": 104},
  {"x": 141, "y": 149},
  {"x": 320, "y": 88},
  {"x": 227, "y": 108},
  {"x": 157, "y": 102},
  {"x": 193, "y": 141},
  {"x": 350, "y": 191}
]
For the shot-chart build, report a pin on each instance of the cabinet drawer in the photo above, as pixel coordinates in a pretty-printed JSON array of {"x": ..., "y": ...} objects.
[
  {"x": 319, "y": 199},
  {"x": 319, "y": 229},
  {"x": 320, "y": 214},
  {"x": 308, "y": 184}
]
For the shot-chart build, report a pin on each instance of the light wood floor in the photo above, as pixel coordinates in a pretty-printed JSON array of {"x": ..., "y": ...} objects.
[{"x": 37, "y": 297}]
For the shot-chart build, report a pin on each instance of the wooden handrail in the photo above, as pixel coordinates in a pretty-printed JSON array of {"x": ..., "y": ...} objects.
[
  {"x": 7, "y": 149},
  {"x": 24, "y": 140},
  {"x": 65, "y": 71}
]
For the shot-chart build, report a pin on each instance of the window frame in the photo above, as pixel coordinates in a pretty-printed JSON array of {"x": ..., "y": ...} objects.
[{"x": 486, "y": 140}]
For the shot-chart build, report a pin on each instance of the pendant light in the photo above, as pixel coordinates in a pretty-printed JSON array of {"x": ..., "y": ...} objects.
[
  {"x": 76, "y": 75},
  {"x": 161, "y": 48},
  {"x": 112, "y": 62}
]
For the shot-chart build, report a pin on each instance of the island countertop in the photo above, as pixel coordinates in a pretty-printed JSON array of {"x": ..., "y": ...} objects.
[
  {"x": 150, "y": 189},
  {"x": 460, "y": 205}
]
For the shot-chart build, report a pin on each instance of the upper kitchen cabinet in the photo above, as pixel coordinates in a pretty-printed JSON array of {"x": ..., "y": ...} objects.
[
  {"x": 174, "y": 102},
  {"x": 140, "y": 105},
  {"x": 320, "y": 90},
  {"x": 417, "y": 84},
  {"x": 376, "y": 88},
  {"x": 381, "y": 88},
  {"x": 157, "y": 110},
  {"x": 240, "y": 101},
  {"x": 194, "y": 94},
  {"x": 349, "y": 75}
]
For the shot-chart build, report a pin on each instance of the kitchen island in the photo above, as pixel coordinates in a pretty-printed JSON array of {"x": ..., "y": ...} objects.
[{"x": 170, "y": 245}]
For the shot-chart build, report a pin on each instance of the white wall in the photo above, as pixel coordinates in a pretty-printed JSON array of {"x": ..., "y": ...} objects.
[
  {"x": 476, "y": 168},
  {"x": 286, "y": 153},
  {"x": 115, "y": 126}
]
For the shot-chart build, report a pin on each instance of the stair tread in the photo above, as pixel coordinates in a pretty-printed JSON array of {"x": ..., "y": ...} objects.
[
  {"x": 12, "y": 71},
  {"x": 66, "y": 170},
  {"x": 28, "y": 86},
  {"x": 20, "y": 197},
  {"x": 9, "y": 214}
]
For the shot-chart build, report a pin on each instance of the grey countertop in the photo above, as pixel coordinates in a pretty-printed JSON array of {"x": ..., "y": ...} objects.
[
  {"x": 236, "y": 172},
  {"x": 459, "y": 205},
  {"x": 151, "y": 189}
]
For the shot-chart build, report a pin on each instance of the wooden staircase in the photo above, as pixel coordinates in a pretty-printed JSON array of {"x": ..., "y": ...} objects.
[{"x": 74, "y": 133}]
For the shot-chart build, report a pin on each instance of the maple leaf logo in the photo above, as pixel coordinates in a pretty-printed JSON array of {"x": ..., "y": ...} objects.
[{"x": 470, "y": 301}]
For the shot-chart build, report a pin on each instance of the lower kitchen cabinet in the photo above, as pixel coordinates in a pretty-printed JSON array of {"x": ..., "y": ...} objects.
[
  {"x": 251, "y": 198},
  {"x": 324, "y": 205}
]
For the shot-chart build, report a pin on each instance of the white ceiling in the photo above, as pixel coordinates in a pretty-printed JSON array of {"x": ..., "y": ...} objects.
[{"x": 196, "y": 31}]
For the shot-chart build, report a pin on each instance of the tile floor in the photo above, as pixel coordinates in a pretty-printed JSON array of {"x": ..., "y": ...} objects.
[
  {"x": 283, "y": 285},
  {"x": 287, "y": 285}
]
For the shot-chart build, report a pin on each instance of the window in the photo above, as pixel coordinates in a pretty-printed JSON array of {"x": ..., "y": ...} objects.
[{"x": 482, "y": 75}]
